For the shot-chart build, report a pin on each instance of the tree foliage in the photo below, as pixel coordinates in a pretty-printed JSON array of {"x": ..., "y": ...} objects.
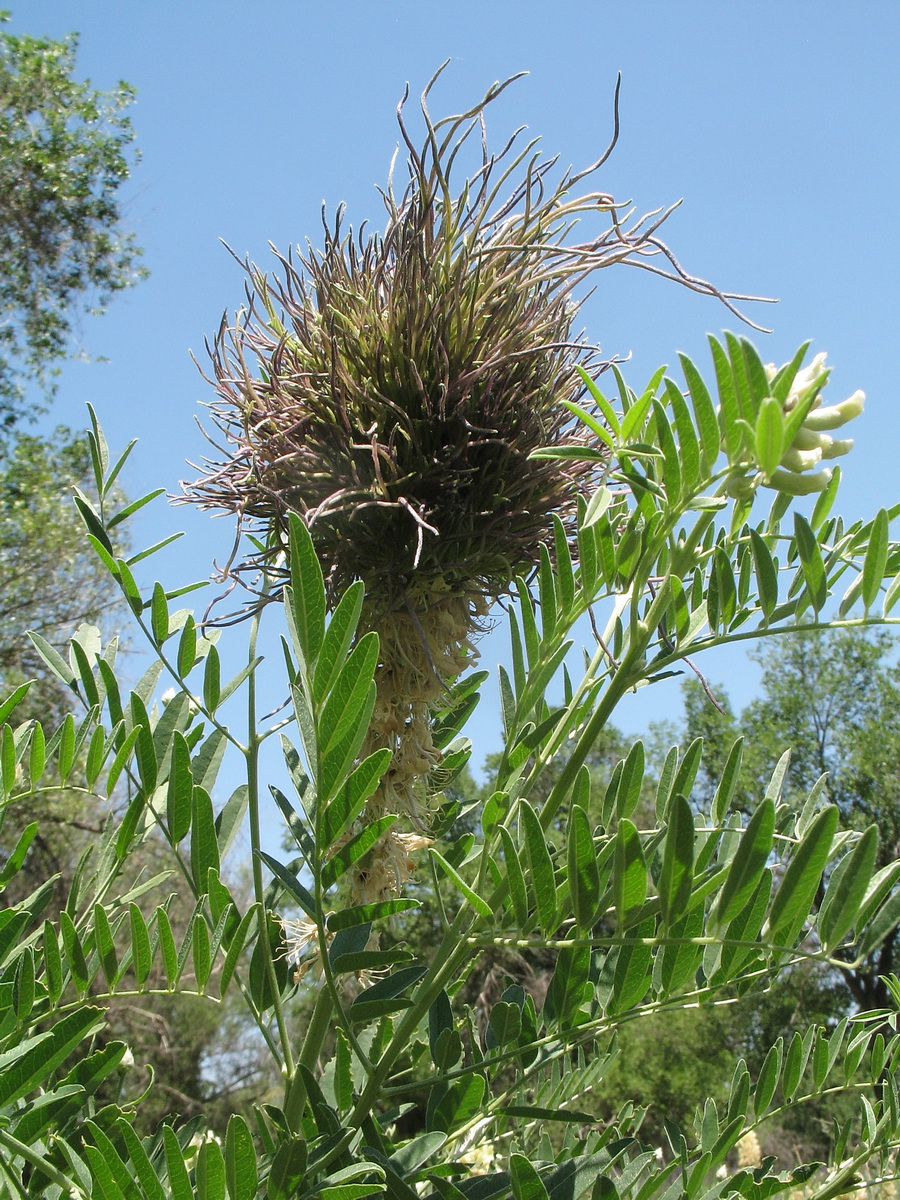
[
  {"x": 832, "y": 701},
  {"x": 65, "y": 151}
]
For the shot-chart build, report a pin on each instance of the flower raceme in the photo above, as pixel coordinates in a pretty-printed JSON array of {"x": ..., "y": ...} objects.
[{"x": 801, "y": 426}]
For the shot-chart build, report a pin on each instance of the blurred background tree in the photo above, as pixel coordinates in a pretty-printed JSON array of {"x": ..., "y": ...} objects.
[{"x": 65, "y": 151}]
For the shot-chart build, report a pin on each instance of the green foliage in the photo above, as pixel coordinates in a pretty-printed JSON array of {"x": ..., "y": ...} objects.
[
  {"x": 64, "y": 155},
  {"x": 569, "y": 909}
]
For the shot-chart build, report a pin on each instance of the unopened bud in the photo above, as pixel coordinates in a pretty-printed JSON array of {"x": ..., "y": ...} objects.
[
  {"x": 836, "y": 447},
  {"x": 801, "y": 460},
  {"x": 800, "y": 485},
  {"x": 836, "y": 415}
]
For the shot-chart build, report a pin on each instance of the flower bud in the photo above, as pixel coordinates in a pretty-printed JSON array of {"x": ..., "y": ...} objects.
[
  {"x": 835, "y": 447},
  {"x": 837, "y": 414},
  {"x": 800, "y": 485},
  {"x": 801, "y": 460}
]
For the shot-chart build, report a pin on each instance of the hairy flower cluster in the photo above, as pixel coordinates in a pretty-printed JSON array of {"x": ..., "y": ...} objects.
[{"x": 391, "y": 388}]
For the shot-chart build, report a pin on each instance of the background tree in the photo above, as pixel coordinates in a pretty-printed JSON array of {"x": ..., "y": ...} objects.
[
  {"x": 833, "y": 699},
  {"x": 65, "y": 151}
]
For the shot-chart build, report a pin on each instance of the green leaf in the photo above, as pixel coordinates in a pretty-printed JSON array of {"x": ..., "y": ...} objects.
[
  {"x": 179, "y": 789},
  {"x": 211, "y": 681},
  {"x": 811, "y": 562},
  {"x": 346, "y": 806},
  {"x": 728, "y": 781},
  {"x": 307, "y": 594},
  {"x": 526, "y": 1183},
  {"x": 794, "y": 1065},
  {"x": 766, "y": 574},
  {"x": 676, "y": 877},
  {"x": 748, "y": 863},
  {"x": 606, "y": 409},
  {"x": 145, "y": 751},
  {"x": 632, "y": 976},
  {"x": 671, "y": 469},
  {"x": 236, "y": 680},
  {"x": 53, "y": 659},
  {"x": 391, "y": 986},
  {"x": 15, "y": 860},
  {"x": 516, "y": 881},
  {"x": 235, "y": 947},
  {"x": 767, "y": 1081},
  {"x": 291, "y": 884},
  {"x": 567, "y": 985},
  {"x": 179, "y": 1183},
  {"x": 795, "y": 896},
  {"x": 363, "y": 914},
  {"x": 75, "y": 956},
  {"x": 630, "y": 873},
  {"x": 142, "y": 954},
  {"x": 769, "y": 436},
  {"x": 729, "y": 407},
  {"x": 13, "y": 700},
  {"x": 287, "y": 1170},
  {"x": 337, "y": 640},
  {"x": 875, "y": 561},
  {"x": 452, "y": 1104},
  {"x": 481, "y": 906},
  {"x": 206, "y": 762},
  {"x": 688, "y": 767},
  {"x": 241, "y": 1174},
  {"x": 583, "y": 873},
  {"x": 704, "y": 413},
  {"x": 187, "y": 647},
  {"x": 106, "y": 946},
  {"x": 688, "y": 443},
  {"x": 229, "y": 821},
  {"x": 209, "y": 1172},
  {"x": 846, "y": 890},
  {"x": 635, "y": 419},
  {"x": 139, "y": 1160},
  {"x": 631, "y": 780},
  {"x": 201, "y": 957},
  {"x": 541, "y": 867},
  {"x": 31, "y": 1064},
  {"x": 204, "y": 847}
]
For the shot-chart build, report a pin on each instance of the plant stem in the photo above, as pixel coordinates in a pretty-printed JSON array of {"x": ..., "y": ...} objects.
[
  {"x": 251, "y": 754},
  {"x": 295, "y": 1092}
]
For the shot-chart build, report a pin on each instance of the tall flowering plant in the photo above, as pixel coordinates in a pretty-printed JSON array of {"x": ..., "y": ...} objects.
[{"x": 413, "y": 429}]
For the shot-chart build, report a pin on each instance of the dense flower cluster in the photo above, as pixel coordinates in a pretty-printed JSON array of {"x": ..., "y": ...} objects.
[{"x": 812, "y": 444}]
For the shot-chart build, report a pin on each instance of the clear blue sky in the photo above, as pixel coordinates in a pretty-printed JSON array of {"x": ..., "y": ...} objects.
[{"x": 775, "y": 120}]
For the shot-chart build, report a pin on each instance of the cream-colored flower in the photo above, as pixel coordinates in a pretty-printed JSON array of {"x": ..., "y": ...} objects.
[
  {"x": 302, "y": 936},
  {"x": 481, "y": 1158},
  {"x": 383, "y": 872},
  {"x": 749, "y": 1151}
]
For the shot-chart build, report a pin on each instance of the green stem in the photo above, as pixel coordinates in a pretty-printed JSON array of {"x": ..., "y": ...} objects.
[
  {"x": 295, "y": 1092},
  {"x": 69, "y": 1186},
  {"x": 253, "y": 806}
]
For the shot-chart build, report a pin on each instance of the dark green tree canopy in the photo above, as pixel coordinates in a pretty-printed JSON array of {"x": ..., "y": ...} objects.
[{"x": 64, "y": 155}]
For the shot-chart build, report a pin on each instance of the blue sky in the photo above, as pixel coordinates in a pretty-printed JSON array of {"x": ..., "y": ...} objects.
[{"x": 775, "y": 121}]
